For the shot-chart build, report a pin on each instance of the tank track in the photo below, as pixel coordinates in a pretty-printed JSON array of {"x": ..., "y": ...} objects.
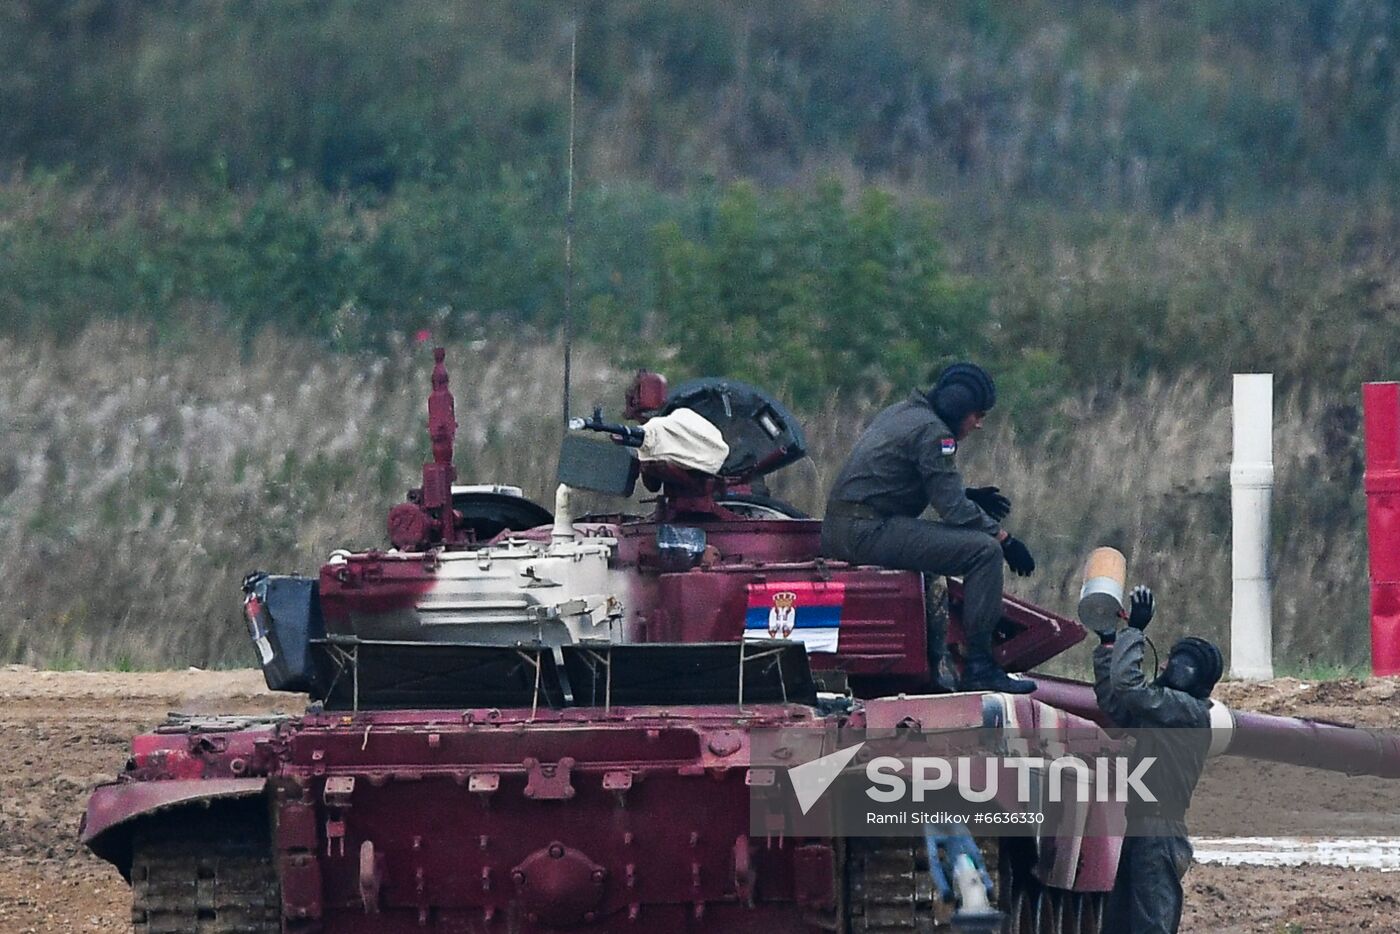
[
  {"x": 888, "y": 888},
  {"x": 888, "y": 891},
  {"x": 198, "y": 877}
]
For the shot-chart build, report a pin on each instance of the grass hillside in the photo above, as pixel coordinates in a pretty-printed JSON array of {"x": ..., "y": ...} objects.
[{"x": 833, "y": 195}]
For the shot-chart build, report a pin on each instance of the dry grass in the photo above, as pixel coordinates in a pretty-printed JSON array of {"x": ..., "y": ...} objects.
[{"x": 138, "y": 484}]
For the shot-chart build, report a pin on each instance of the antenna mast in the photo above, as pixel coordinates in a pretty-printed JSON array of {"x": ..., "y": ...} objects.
[{"x": 569, "y": 222}]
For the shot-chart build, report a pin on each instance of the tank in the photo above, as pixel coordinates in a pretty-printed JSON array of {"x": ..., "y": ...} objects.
[{"x": 523, "y": 720}]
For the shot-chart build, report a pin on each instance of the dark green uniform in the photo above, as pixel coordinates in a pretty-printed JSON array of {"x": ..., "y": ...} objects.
[
  {"x": 1174, "y": 728},
  {"x": 901, "y": 465}
]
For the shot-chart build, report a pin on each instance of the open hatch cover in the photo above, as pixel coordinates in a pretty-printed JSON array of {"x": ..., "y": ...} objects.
[{"x": 761, "y": 433}]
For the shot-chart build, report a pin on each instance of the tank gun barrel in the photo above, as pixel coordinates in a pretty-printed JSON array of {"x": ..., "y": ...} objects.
[{"x": 1315, "y": 744}]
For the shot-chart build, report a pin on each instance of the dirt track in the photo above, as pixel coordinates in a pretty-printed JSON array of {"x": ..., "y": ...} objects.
[{"x": 67, "y": 731}]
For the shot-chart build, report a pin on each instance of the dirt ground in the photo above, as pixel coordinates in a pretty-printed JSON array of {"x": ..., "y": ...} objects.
[
  {"x": 67, "y": 731},
  {"x": 1234, "y": 900}
]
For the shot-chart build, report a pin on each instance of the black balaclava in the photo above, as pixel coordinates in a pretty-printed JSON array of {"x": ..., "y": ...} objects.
[
  {"x": 962, "y": 389},
  {"x": 1194, "y": 666}
]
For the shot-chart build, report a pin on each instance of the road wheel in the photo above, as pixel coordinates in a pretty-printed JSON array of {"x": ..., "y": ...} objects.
[{"x": 212, "y": 874}]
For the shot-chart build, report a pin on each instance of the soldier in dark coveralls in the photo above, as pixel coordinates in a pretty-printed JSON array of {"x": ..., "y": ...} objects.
[
  {"x": 905, "y": 462},
  {"x": 1171, "y": 717}
]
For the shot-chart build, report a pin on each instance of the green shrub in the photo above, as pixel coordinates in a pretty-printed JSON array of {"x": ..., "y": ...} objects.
[{"x": 816, "y": 294}]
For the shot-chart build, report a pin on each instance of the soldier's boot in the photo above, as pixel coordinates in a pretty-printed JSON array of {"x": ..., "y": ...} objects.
[
  {"x": 982, "y": 673},
  {"x": 936, "y": 624},
  {"x": 938, "y": 681}
]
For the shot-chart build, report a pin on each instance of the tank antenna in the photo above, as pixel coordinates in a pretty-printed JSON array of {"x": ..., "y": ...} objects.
[{"x": 569, "y": 221}]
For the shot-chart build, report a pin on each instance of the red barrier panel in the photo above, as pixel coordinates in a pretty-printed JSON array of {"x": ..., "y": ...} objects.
[{"x": 1382, "y": 406}]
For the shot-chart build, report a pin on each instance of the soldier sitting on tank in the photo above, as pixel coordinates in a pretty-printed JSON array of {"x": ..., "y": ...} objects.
[
  {"x": 905, "y": 462},
  {"x": 1172, "y": 715}
]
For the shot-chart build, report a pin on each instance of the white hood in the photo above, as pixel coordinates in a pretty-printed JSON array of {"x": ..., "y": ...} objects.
[{"x": 684, "y": 438}]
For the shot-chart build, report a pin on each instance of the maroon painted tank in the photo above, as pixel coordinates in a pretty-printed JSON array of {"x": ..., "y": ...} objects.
[{"x": 525, "y": 721}]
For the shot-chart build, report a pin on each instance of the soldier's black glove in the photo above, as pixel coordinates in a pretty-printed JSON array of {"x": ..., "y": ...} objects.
[
  {"x": 1106, "y": 636},
  {"x": 991, "y": 500},
  {"x": 1018, "y": 556},
  {"x": 1142, "y": 605}
]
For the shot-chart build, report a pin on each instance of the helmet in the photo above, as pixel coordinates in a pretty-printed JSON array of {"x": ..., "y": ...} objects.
[
  {"x": 1200, "y": 667},
  {"x": 961, "y": 389}
]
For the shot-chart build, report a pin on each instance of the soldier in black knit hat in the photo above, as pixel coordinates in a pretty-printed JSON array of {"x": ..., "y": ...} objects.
[
  {"x": 1171, "y": 719},
  {"x": 901, "y": 465}
]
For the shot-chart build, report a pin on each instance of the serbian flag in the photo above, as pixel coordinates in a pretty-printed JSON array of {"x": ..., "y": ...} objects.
[{"x": 806, "y": 611}]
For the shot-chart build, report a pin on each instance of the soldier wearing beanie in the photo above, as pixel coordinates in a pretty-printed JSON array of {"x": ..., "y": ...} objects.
[
  {"x": 1171, "y": 717},
  {"x": 905, "y": 463}
]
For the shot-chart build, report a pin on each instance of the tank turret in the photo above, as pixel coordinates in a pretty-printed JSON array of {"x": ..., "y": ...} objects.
[{"x": 705, "y": 447}]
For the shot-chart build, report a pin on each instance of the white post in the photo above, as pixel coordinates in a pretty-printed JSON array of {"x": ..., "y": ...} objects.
[{"x": 1251, "y": 488}]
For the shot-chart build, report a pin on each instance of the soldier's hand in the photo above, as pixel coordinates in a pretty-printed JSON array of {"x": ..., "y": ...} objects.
[
  {"x": 1141, "y": 607},
  {"x": 1018, "y": 556},
  {"x": 991, "y": 501}
]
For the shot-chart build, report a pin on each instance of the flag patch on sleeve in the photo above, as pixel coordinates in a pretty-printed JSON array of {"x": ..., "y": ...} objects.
[{"x": 948, "y": 446}]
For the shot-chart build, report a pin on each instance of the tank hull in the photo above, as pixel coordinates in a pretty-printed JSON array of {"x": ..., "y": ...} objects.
[{"x": 506, "y": 820}]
